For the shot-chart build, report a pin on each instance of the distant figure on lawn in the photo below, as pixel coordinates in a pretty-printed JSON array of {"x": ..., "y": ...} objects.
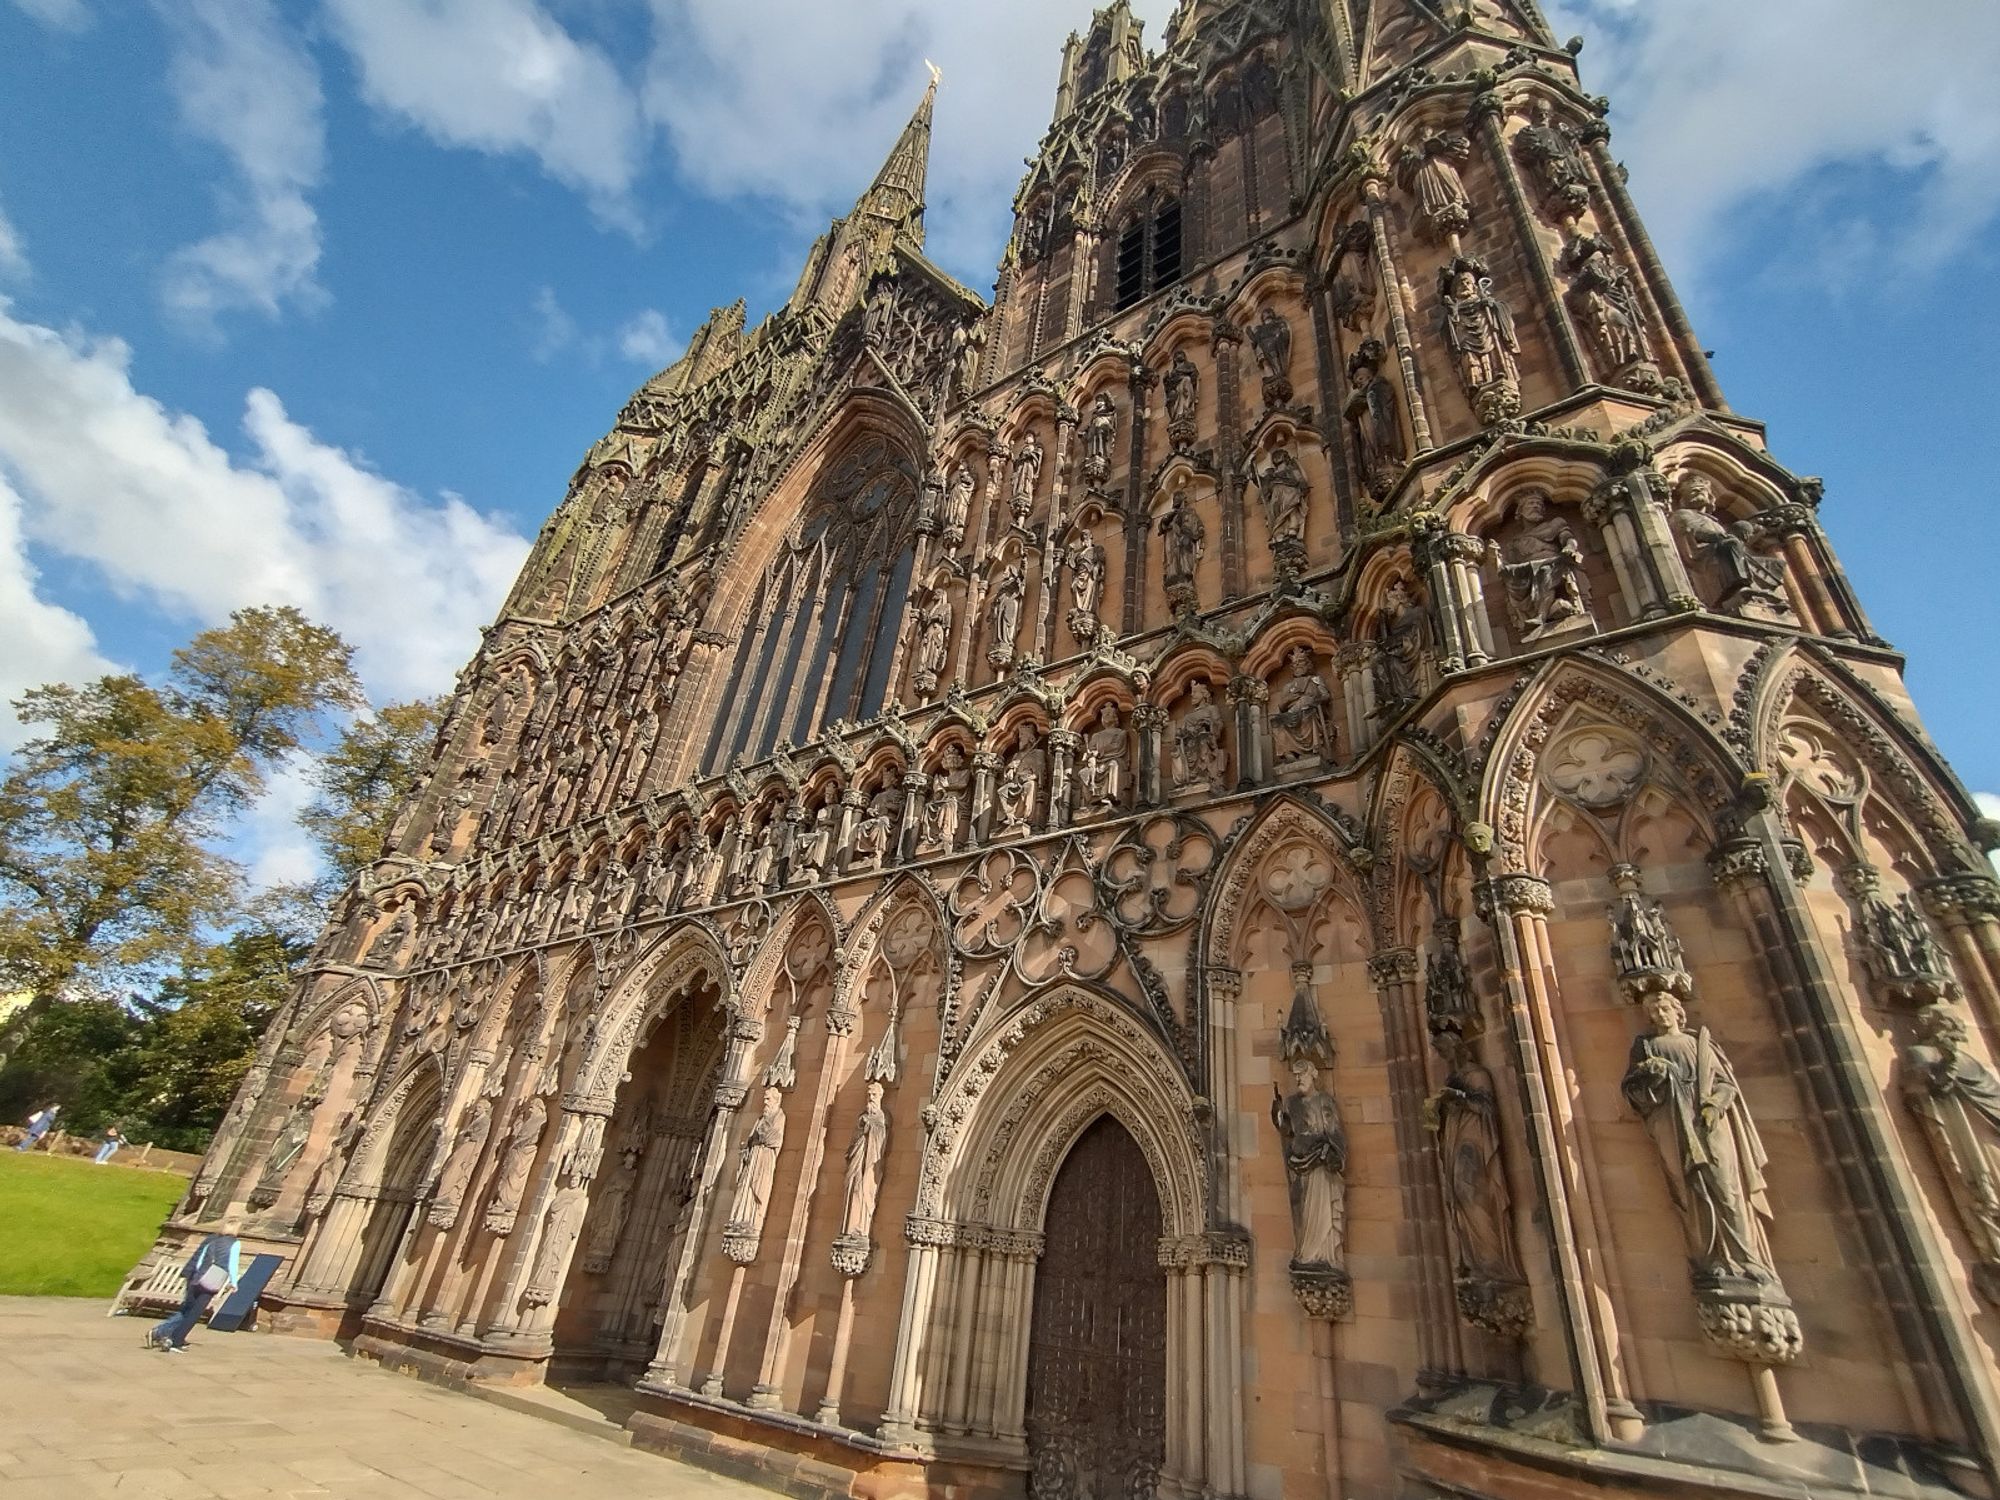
[
  {"x": 38, "y": 1126},
  {"x": 216, "y": 1263},
  {"x": 113, "y": 1139}
]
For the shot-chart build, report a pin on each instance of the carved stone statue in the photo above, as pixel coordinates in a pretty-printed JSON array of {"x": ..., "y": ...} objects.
[
  {"x": 756, "y": 1169},
  {"x": 1100, "y": 436},
  {"x": 386, "y": 952},
  {"x": 1957, "y": 1097},
  {"x": 1352, "y": 280},
  {"x": 864, "y": 1166},
  {"x": 1744, "y": 580},
  {"x": 1183, "y": 391},
  {"x": 1003, "y": 613},
  {"x": 1315, "y": 1150},
  {"x": 1186, "y": 539},
  {"x": 1607, "y": 304},
  {"x": 1479, "y": 331},
  {"x": 1200, "y": 761},
  {"x": 1379, "y": 449},
  {"x": 933, "y": 639},
  {"x": 1103, "y": 772},
  {"x": 510, "y": 1183},
  {"x": 945, "y": 813},
  {"x": 957, "y": 507},
  {"x": 459, "y": 1163},
  {"x": 815, "y": 848},
  {"x": 1542, "y": 569},
  {"x": 762, "y": 868},
  {"x": 1018, "y": 797},
  {"x": 1399, "y": 648},
  {"x": 1027, "y": 474},
  {"x": 1302, "y": 718},
  {"x": 1683, "y": 1087},
  {"x": 560, "y": 1228},
  {"x": 285, "y": 1152},
  {"x": 610, "y": 1213},
  {"x": 1271, "y": 342},
  {"x": 1286, "y": 493},
  {"x": 1429, "y": 171},
  {"x": 1551, "y": 152},
  {"x": 875, "y": 835},
  {"x": 1086, "y": 562},
  {"x": 1491, "y": 1287}
]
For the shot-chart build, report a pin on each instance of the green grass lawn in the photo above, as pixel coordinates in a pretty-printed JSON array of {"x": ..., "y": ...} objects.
[{"x": 71, "y": 1229}]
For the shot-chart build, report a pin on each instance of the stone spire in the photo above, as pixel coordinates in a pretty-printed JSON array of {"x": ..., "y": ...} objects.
[{"x": 894, "y": 202}]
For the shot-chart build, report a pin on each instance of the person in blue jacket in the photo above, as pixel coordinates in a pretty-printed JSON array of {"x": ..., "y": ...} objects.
[{"x": 214, "y": 1267}]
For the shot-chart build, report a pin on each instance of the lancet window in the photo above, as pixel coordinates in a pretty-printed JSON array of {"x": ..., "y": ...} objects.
[
  {"x": 1149, "y": 250},
  {"x": 824, "y": 620}
]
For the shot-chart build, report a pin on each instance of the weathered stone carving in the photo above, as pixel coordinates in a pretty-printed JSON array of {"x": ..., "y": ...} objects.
[
  {"x": 1957, "y": 1098},
  {"x": 1607, "y": 303},
  {"x": 1105, "y": 770},
  {"x": 756, "y": 1170},
  {"x": 1003, "y": 614},
  {"x": 1479, "y": 331},
  {"x": 1745, "y": 581},
  {"x": 1186, "y": 538},
  {"x": 1200, "y": 762},
  {"x": 1286, "y": 494},
  {"x": 1271, "y": 343},
  {"x": 1087, "y": 565},
  {"x": 560, "y": 1228},
  {"x": 1352, "y": 284},
  {"x": 875, "y": 836},
  {"x": 1542, "y": 569},
  {"x": 1302, "y": 717},
  {"x": 933, "y": 639},
  {"x": 466, "y": 1148},
  {"x": 612, "y": 1208},
  {"x": 1183, "y": 392},
  {"x": 948, "y": 812},
  {"x": 510, "y": 1182},
  {"x": 1553, "y": 154},
  {"x": 1100, "y": 436},
  {"x": 284, "y": 1154},
  {"x": 1018, "y": 797},
  {"x": 1027, "y": 476},
  {"x": 1315, "y": 1153},
  {"x": 1400, "y": 642},
  {"x": 1681, "y": 1084},
  {"x": 1429, "y": 172},
  {"x": 957, "y": 508},
  {"x": 1373, "y": 421},
  {"x": 863, "y": 1185}
]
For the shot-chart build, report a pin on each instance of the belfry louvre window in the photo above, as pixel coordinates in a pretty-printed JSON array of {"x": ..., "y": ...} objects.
[
  {"x": 825, "y": 618},
  {"x": 1149, "y": 251}
]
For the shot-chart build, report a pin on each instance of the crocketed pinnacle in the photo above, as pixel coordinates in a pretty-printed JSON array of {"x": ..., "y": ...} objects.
[{"x": 896, "y": 198}]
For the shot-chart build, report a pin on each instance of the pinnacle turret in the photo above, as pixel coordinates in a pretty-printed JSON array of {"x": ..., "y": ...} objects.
[{"x": 895, "y": 199}]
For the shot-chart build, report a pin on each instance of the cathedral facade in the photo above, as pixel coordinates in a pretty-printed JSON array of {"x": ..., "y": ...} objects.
[{"x": 1276, "y": 864}]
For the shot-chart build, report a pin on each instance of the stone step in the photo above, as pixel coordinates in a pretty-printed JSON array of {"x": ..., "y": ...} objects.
[{"x": 600, "y": 1414}]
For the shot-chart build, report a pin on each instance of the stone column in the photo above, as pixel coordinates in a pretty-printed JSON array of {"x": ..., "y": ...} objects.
[
  {"x": 899, "y": 1417},
  {"x": 1226, "y": 340},
  {"x": 1248, "y": 696},
  {"x": 979, "y": 819},
  {"x": 1967, "y": 907},
  {"x": 915, "y": 787},
  {"x": 1438, "y": 1347},
  {"x": 1063, "y": 747},
  {"x": 1517, "y": 908},
  {"x": 1374, "y": 192},
  {"x": 1355, "y": 662},
  {"x": 1137, "y": 522},
  {"x": 1149, "y": 724}
]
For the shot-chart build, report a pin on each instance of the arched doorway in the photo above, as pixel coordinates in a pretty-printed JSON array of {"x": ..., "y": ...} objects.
[
  {"x": 412, "y": 1143},
  {"x": 611, "y": 1308},
  {"x": 1097, "y": 1351}
]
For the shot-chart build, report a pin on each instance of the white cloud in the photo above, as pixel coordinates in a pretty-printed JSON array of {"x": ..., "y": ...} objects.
[
  {"x": 45, "y": 643},
  {"x": 500, "y": 76},
  {"x": 171, "y": 519},
  {"x": 242, "y": 82},
  {"x": 799, "y": 101},
  {"x": 1718, "y": 105},
  {"x": 13, "y": 254},
  {"x": 555, "y": 330},
  {"x": 273, "y": 849},
  {"x": 648, "y": 339},
  {"x": 64, "y": 15}
]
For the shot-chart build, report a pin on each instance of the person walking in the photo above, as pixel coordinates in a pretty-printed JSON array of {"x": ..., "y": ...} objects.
[
  {"x": 113, "y": 1139},
  {"x": 38, "y": 1126},
  {"x": 216, "y": 1263}
]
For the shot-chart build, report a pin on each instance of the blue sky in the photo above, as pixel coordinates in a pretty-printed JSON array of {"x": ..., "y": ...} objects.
[{"x": 322, "y": 301}]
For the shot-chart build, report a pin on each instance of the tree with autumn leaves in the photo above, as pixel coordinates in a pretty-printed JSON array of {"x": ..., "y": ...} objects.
[{"x": 147, "y": 966}]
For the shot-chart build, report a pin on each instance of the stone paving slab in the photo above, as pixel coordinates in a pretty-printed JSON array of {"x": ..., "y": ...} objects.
[{"x": 86, "y": 1412}]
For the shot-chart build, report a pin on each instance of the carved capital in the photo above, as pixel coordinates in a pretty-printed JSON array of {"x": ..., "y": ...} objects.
[
  {"x": 1736, "y": 863},
  {"x": 1393, "y": 966},
  {"x": 1960, "y": 896},
  {"x": 1516, "y": 893}
]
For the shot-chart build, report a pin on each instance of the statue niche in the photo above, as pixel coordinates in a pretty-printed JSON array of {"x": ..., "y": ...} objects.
[
  {"x": 1740, "y": 574},
  {"x": 1541, "y": 568}
]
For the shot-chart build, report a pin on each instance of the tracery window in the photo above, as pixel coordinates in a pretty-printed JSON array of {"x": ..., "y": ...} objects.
[
  {"x": 1149, "y": 250},
  {"x": 826, "y": 616}
]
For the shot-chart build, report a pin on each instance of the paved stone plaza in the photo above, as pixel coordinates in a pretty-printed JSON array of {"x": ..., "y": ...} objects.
[{"x": 87, "y": 1412}]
